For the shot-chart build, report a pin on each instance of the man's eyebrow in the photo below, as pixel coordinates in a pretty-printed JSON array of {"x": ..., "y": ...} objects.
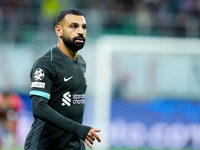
[{"x": 74, "y": 23}]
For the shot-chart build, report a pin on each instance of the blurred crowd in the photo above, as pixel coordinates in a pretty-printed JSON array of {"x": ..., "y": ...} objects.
[
  {"x": 24, "y": 20},
  {"x": 10, "y": 106}
]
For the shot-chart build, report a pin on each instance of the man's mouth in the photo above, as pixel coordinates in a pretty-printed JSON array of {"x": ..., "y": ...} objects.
[{"x": 80, "y": 39}]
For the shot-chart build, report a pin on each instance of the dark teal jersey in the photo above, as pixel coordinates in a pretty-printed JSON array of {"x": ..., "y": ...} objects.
[{"x": 60, "y": 82}]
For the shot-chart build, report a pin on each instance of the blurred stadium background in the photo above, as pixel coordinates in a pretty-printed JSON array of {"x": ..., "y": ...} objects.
[{"x": 143, "y": 68}]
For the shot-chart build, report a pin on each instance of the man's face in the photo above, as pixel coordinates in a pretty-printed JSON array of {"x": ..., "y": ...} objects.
[{"x": 74, "y": 32}]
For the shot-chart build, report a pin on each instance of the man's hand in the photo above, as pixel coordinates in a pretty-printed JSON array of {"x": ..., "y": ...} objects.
[{"x": 91, "y": 137}]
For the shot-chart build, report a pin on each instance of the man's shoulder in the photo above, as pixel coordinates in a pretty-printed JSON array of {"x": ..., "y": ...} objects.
[
  {"x": 80, "y": 58},
  {"x": 81, "y": 62},
  {"x": 49, "y": 56},
  {"x": 44, "y": 60},
  {"x": 43, "y": 65}
]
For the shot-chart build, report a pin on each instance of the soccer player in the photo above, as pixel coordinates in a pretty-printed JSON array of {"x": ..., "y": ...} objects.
[{"x": 58, "y": 91}]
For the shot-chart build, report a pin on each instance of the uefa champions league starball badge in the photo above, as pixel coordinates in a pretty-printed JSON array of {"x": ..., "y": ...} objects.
[{"x": 39, "y": 74}]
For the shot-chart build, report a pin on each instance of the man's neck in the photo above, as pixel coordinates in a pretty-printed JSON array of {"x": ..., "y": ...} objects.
[{"x": 71, "y": 54}]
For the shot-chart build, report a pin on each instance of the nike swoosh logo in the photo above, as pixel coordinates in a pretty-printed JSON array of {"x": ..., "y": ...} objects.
[{"x": 67, "y": 79}]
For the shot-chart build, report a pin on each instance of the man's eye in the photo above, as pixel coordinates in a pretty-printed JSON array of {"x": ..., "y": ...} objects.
[{"x": 74, "y": 26}]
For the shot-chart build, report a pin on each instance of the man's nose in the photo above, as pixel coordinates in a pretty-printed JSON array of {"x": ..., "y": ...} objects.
[{"x": 81, "y": 31}]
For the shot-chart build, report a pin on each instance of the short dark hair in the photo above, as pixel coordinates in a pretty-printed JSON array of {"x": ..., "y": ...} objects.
[{"x": 63, "y": 13}]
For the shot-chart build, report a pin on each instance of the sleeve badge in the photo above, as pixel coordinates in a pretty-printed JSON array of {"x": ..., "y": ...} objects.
[{"x": 39, "y": 74}]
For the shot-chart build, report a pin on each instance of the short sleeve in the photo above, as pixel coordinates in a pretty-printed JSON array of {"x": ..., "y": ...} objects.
[{"x": 41, "y": 78}]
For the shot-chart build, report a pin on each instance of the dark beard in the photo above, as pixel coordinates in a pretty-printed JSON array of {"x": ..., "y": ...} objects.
[{"x": 71, "y": 44}]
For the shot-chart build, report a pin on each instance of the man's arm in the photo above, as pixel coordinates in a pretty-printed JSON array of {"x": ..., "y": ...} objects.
[{"x": 44, "y": 112}]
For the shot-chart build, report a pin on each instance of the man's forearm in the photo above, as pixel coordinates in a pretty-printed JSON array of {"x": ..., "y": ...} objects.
[{"x": 43, "y": 111}]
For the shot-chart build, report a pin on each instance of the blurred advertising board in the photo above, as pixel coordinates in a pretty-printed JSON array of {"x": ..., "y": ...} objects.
[
  {"x": 158, "y": 123},
  {"x": 155, "y": 100}
]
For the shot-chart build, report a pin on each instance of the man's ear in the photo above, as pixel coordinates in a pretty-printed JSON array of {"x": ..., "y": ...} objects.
[{"x": 58, "y": 30}]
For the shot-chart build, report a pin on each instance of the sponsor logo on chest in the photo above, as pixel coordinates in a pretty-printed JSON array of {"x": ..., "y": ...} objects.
[{"x": 75, "y": 99}]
